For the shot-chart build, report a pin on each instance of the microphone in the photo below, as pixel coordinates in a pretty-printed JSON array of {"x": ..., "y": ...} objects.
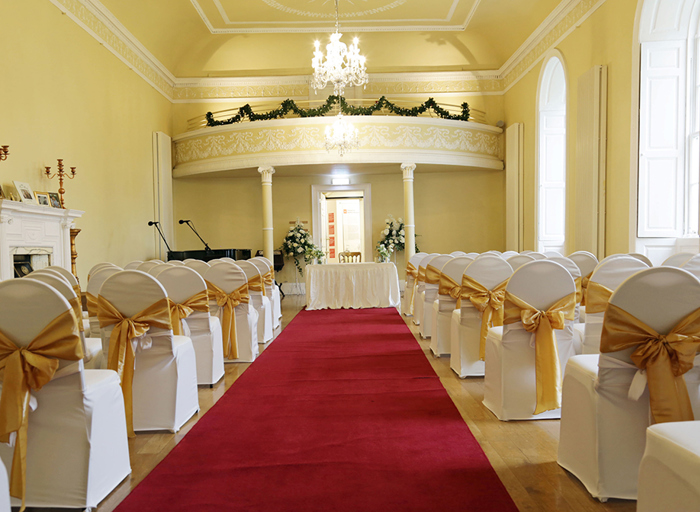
[
  {"x": 182, "y": 221},
  {"x": 152, "y": 222},
  {"x": 189, "y": 224},
  {"x": 157, "y": 225}
]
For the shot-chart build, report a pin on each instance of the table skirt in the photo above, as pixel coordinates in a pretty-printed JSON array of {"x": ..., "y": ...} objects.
[{"x": 352, "y": 285}]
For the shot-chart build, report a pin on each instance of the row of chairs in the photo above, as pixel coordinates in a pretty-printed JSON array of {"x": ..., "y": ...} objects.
[{"x": 605, "y": 409}]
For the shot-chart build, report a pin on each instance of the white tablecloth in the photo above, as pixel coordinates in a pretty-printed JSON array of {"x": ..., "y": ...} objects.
[{"x": 352, "y": 285}]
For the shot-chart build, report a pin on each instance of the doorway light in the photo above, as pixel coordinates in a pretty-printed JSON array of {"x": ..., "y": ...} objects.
[{"x": 340, "y": 181}]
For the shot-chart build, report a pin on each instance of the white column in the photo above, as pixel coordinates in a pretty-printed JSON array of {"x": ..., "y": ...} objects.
[
  {"x": 268, "y": 240},
  {"x": 408, "y": 214}
]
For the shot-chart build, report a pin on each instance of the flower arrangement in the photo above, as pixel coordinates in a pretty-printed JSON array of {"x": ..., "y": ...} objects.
[
  {"x": 298, "y": 244},
  {"x": 393, "y": 238}
]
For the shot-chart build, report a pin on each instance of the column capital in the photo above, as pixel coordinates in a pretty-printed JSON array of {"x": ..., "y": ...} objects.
[
  {"x": 266, "y": 173},
  {"x": 408, "y": 171}
]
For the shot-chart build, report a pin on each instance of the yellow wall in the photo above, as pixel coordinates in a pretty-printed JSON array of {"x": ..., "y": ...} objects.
[
  {"x": 605, "y": 38},
  {"x": 65, "y": 96}
]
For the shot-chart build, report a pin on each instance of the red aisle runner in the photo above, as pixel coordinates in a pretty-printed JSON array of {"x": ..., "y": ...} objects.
[{"x": 341, "y": 413}]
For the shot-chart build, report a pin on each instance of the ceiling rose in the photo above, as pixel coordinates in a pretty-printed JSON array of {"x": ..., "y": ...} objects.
[{"x": 311, "y": 14}]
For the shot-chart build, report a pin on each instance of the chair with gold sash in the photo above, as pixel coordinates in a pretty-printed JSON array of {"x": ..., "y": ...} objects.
[
  {"x": 586, "y": 263},
  {"x": 430, "y": 293},
  {"x": 190, "y": 317},
  {"x": 132, "y": 265},
  {"x": 524, "y": 359},
  {"x": 519, "y": 260},
  {"x": 669, "y": 473},
  {"x": 578, "y": 329},
  {"x": 607, "y": 276},
  {"x": 73, "y": 281},
  {"x": 448, "y": 297},
  {"x": 420, "y": 288},
  {"x": 677, "y": 260},
  {"x": 481, "y": 292},
  {"x": 409, "y": 291},
  {"x": 68, "y": 421},
  {"x": 158, "y": 370},
  {"x": 92, "y": 347},
  {"x": 92, "y": 291},
  {"x": 259, "y": 301},
  {"x": 198, "y": 266},
  {"x": 646, "y": 373},
  {"x": 271, "y": 291},
  {"x": 229, "y": 300}
]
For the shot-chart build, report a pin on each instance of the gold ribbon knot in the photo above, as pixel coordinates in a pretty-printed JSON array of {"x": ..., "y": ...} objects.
[
  {"x": 227, "y": 303},
  {"x": 28, "y": 368},
  {"x": 255, "y": 284},
  {"x": 585, "y": 281},
  {"x": 543, "y": 324},
  {"x": 432, "y": 275},
  {"x": 665, "y": 357},
  {"x": 121, "y": 351},
  {"x": 179, "y": 311},
  {"x": 597, "y": 297},
  {"x": 268, "y": 278},
  {"x": 488, "y": 302}
]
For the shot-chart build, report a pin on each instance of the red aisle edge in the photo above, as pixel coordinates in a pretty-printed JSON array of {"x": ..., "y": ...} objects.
[{"x": 341, "y": 413}]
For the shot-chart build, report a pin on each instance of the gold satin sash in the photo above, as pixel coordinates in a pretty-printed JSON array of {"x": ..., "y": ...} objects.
[
  {"x": 27, "y": 368},
  {"x": 432, "y": 275},
  {"x": 268, "y": 278},
  {"x": 421, "y": 275},
  {"x": 121, "y": 350},
  {"x": 91, "y": 304},
  {"x": 449, "y": 286},
  {"x": 227, "y": 303},
  {"x": 597, "y": 297},
  {"x": 665, "y": 357},
  {"x": 488, "y": 302},
  {"x": 585, "y": 281},
  {"x": 543, "y": 324},
  {"x": 411, "y": 271},
  {"x": 78, "y": 312},
  {"x": 180, "y": 311},
  {"x": 255, "y": 284}
]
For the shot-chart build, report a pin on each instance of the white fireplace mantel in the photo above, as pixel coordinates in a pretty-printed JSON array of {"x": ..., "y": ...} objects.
[{"x": 25, "y": 226}]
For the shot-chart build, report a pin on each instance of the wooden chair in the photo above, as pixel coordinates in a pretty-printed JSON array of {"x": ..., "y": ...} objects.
[{"x": 350, "y": 257}]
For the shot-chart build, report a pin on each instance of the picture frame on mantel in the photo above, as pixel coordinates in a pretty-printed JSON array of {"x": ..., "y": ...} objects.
[
  {"x": 42, "y": 198},
  {"x": 25, "y": 192},
  {"x": 55, "y": 200}
]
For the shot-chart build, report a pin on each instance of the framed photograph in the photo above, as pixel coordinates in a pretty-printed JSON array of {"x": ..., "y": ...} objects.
[
  {"x": 55, "y": 200},
  {"x": 42, "y": 198},
  {"x": 26, "y": 195}
]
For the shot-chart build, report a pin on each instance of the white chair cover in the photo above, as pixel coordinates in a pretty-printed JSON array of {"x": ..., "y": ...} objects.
[
  {"x": 154, "y": 271},
  {"x": 410, "y": 282},
  {"x": 473, "y": 254},
  {"x": 271, "y": 291},
  {"x": 259, "y": 301},
  {"x": 509, "y": 254},
  {"x": 77, "y": 448},
  {"x": 132, "y": 265},
  {"x": 146, "y": 266},
  {"x": 229, "y": 277},
  {"x": 677, "y": 260},
  {"x": 198, "y": 266},
  {"x": 490, "y": 271},
  {"x": 99, "y": 266},
  {"x": 177, "y": 263},
  {"x": 93, "y": 290},
  {"x": 642, "y": 258},
  {"x": 603, "y": 429},
  {"x": 430, "y": 295},
  {"x": 552, "y": 254},
  {"x": 693, "y": 265},
  {"x": 519, "y": 260},
  {"x": 575, "y": 272},
  {"x": 457, "y": 254},
  {"x": 537, "y": 255},
  {"x": 276, "y": 291},
  {"x": 610, "y": 273},
  {"x": 182, "y": 283},
  {"x": 509, "y": 383},
  {"x": 445, "y": 305},
  {"x": 669, "y": 474},
  {"x": 420, "y": 289},
  {"x": 4, "y": 490},
  {"x": 165, "y": 376},
  {"x": 73, "y": 282}
]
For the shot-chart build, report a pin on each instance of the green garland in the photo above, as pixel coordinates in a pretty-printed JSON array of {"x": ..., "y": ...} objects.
[{"x": 246, "y": 111}]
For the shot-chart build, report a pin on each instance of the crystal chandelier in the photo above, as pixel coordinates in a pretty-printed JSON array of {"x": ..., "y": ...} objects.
[
  {"x": 341, "y": 135},
  {"x": 343, "y": 65}
]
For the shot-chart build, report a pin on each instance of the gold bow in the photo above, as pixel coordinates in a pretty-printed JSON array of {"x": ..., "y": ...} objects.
[
  {"x": 597, "y": 297},
  {"x": 78, "y": 312},
  {"x": 411, "y": 271},
  {"x": 543, "y": 323},
  {"x": 178, "y": 312},
  {"x": 421, "y": 274},
  {"x": 665, "y": 357},
  {"x": 27, "y": 368},
  {"x": 255, "y": 284},
  {"x": 121, "y": 350},
  {"x": 227, "y": 303},
  {"x": 488, "y": 302},
  {"x": 91, "y": 304},
  {"x": 268, "y": 278},
  {"x": 585, "y": 280},
  {"x": 449, "y": 286},
  {"x": 432, "y": 275}
]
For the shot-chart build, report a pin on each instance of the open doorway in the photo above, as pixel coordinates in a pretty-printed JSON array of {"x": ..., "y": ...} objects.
[{"x": 342, "y": 220}]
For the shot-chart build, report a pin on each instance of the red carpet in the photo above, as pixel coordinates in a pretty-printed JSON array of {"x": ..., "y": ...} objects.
[{"x": 341, "y": 413}]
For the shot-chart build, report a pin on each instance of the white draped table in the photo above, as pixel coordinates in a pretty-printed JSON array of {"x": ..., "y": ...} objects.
[{"x": 352, "y": 285}]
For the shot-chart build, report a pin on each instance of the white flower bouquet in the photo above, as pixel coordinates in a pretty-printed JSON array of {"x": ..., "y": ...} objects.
[
  {"x": 393, "y": 238},
  {"x": 298, "y": 244}
]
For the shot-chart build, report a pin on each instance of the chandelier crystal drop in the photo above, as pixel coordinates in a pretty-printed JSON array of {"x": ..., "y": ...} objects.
[
  {"x": 342, "y": 66},
  {"x": 341, "y": 135}
]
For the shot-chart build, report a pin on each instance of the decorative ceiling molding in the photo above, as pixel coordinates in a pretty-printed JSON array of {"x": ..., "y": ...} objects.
[{"x": 96, "y": 19}]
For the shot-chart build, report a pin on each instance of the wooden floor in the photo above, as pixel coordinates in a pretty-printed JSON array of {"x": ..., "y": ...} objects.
[{"x": 523, "y": 453}]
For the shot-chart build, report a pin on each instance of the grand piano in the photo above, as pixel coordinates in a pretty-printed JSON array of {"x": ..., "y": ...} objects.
[{"x": 204, "y": 255}]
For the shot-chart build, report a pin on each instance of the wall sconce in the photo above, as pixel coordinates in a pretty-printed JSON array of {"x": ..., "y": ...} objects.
[
  {"x": 4, "y": 151},
  {"x": 61, "y": 175}
]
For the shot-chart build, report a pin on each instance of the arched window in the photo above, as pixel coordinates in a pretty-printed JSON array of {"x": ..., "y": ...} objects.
[{"x": 551, "y": 161}]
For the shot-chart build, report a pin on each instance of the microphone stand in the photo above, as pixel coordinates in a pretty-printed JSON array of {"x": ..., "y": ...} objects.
[
  {"x": 157, "y": 225},
  {"x": 206, "y": 246}
]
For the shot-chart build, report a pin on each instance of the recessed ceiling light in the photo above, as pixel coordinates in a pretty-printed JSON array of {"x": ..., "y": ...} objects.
[{"x": 340, "y": 181}]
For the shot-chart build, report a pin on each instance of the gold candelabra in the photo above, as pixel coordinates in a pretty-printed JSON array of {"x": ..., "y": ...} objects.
[
  {"x": 61, "y": 175},
  {"x": 4, "y": 151}
]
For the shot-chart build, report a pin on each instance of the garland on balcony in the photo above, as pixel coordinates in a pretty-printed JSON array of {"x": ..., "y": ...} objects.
[{"x": 246, "y": 111}]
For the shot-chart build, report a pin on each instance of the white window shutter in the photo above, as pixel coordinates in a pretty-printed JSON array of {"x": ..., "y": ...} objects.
[{"x": 662, "y": 139}]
